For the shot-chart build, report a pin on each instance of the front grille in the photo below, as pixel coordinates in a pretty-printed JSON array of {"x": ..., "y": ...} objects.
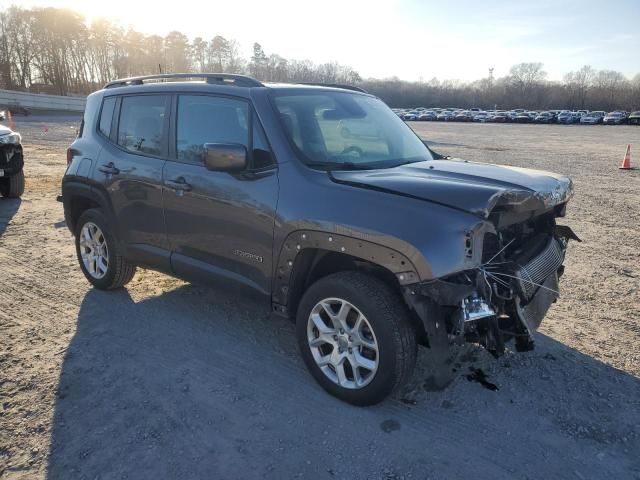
[
  {"x": 535, "y": 272},
  {"x": 10, "y": 157}
]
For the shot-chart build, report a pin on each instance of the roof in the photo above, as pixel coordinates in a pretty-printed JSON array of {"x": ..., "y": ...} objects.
[{"x": 217, "y": 79}]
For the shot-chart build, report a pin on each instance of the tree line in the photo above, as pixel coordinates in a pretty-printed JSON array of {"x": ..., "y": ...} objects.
[
  {"x": 526, "y": 86},
  {"x": 54, "y": 50}
]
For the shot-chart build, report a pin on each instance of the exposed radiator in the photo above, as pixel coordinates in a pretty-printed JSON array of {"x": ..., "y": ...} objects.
[{"x": 536, "y": 271}]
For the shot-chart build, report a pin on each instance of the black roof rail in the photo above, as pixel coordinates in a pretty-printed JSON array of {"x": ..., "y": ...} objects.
[
  {"x": 336, "y": 85},
  {"x": 212, "y": 78}
]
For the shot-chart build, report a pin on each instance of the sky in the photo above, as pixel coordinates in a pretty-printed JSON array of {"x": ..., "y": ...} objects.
[{"x": 409, "y": 39}]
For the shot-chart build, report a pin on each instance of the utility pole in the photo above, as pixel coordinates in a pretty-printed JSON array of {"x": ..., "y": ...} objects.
[{"x": 489, "y": 93}]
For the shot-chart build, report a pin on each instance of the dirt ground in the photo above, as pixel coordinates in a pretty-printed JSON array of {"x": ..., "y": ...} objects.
[{"x": 169, "y": 380}]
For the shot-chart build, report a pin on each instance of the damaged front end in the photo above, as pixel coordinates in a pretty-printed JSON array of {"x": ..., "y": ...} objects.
[
  {"x": 11, "y": 157},
  {"x": 509, "y": 292}
]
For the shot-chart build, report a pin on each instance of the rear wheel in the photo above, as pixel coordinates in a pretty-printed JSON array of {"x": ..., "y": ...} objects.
[
  {"x": 98, "y": 254},
  {"x": 356, "y": 337},
  {"x": 12, "y": 187}
]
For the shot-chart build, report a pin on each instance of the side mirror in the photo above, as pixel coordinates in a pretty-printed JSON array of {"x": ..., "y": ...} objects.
[{"x": 225, "y": 157}]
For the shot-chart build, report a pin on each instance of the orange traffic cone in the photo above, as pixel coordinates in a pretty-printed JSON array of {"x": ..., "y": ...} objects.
[{"x": 626, "y": 161}]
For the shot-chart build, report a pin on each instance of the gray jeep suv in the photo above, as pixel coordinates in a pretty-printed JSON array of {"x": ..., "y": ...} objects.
[{"x": 324, "y": 202}]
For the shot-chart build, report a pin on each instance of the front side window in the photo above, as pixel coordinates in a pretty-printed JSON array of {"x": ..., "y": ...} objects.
[
  {"x": 340, "y": 129},
  {"x": 206, "y": 119},
  {"x": 142, "y": 123}
]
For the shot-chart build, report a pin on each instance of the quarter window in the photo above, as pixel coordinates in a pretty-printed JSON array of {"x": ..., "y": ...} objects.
[
  {"x": 141, "y": 123},
  {"x": 262, "y": 157},
  {"x": 204, "y": 119},
  {"x": 106, "y": 115}
]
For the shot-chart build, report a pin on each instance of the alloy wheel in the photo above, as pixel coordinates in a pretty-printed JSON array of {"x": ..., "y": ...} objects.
[
  {"x": 94, "y": 250},
  {"x": 343, "y": 344}
]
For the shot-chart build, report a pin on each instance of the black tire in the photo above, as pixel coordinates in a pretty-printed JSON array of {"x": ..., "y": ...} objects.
[
  {"x": 13, "y": 187},
  {"x": 390, "y": 321},
  {"x": 119, "y": 270}
]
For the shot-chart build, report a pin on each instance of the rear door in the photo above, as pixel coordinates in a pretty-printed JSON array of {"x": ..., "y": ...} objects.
[
  {"x": 219, "y": 224},
  {"x": 130, "y": 168}
]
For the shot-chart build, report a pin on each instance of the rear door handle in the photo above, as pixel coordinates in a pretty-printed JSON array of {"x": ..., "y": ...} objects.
[
  {"x": 109, "y": 169},
  {"x": 178, "y": 184}
]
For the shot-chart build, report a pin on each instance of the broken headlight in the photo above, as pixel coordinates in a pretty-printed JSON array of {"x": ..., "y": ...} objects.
[{"x": 474, "y": 307}]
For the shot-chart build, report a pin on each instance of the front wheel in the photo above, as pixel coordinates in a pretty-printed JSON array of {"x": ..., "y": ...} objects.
[
  {"x": 356, "y": 337},
  {"x": 12, "y": 187}
]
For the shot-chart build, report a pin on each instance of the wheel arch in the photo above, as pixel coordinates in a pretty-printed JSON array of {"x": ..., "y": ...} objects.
[
  {"x": 306, "y": 256},
  {"x": 78, "y": 197}
]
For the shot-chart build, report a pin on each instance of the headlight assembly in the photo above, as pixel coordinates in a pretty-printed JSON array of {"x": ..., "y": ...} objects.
[{"x": 13, "y": 138}]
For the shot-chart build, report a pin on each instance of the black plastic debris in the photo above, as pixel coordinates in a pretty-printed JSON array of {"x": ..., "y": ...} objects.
[{"x": 478, "y": 375}]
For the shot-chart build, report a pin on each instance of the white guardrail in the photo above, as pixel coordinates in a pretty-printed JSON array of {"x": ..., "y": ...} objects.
[{"x": 35, "y": 101}]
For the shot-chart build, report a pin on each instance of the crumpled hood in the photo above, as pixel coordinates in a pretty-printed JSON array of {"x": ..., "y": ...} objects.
[
  {"x": 5, "y": 130},
  {"x": 477, "y": 188}
]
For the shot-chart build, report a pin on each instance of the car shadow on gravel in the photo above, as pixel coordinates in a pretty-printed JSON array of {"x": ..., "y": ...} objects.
[
  {"x": 196, "y": 383},
  {"x": 8, "y": 208}
]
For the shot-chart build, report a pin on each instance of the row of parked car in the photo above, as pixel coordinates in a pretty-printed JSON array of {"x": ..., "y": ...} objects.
[{"x": 519, "y": 115}]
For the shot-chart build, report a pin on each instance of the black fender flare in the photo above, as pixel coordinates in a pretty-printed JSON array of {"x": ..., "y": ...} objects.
[
  {"x": 74, "y": 188},
  {"x": 300, "y": 240}
]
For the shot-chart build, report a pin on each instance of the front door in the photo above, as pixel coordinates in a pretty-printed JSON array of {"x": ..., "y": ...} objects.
[{"x": 219, "y": 224}]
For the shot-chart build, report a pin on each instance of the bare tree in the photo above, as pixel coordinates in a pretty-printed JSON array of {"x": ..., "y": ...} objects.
[
  {"x": 199, "y": 54},
  {"x": 525, "y": 79},
  {"x": 610, "y": 85},
  {"x": 578, "y": 84}
]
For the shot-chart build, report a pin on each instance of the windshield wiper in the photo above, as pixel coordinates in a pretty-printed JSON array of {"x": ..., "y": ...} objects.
[{"x": 331, "y": 166}]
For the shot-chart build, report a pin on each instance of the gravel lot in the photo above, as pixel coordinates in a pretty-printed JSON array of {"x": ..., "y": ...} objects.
[{"x": 171, "y": 380}]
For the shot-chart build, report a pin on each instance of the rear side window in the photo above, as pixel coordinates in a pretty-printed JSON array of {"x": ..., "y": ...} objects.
[
  {"x": 141, "y": 123},
  {"x": 205, "y": 119},
  {"x": 106, "y": 115}
]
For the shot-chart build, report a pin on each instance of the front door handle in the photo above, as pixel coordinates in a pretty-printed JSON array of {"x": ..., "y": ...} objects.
[
  {"x": 109, "y": 169},
  {"x": 178, "y": 184}
]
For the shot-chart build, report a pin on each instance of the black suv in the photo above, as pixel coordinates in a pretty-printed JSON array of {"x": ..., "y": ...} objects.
[
  {"x": 11, "y": 163},
  {"x": 322, "y": 200}
]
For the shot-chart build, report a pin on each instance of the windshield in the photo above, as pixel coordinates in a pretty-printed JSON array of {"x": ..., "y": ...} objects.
[{"x": 340, "y": 129}]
